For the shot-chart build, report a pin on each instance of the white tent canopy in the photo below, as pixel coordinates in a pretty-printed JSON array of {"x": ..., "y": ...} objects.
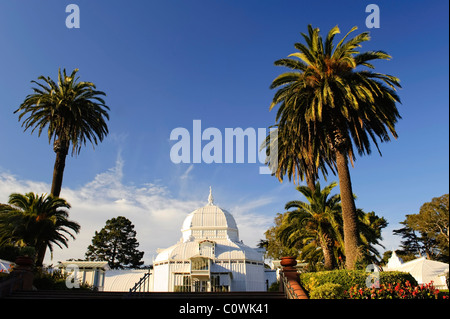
[{"x": 422, "y": 269}]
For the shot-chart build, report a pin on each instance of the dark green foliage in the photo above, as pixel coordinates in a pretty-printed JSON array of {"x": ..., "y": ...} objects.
[
  {"x": 9, "y": 252},
  {"x": 44, "y": 280},
  {"x": 116, "y": 243},
  {"x": 275, "y": 287}
]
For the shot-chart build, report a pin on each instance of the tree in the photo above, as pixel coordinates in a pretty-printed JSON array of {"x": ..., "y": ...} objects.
[
  {"x": 296, "y": 165},
  {"x": 370, "y": 227},
  {"x": 74, "y": 113},
  {"x": 411, "y": 243},
  {"x": 274, "y": 247},
  {"x": 36, "y": 221},
  {"x": 432, "y": 225},
  {"x": 116, "y": 243},
  {"x": 318, "y": 220},
  {"x": 315, "y": 230},
  {"x": 332, "y": 107},
  {"x": 433, "y": 220}
]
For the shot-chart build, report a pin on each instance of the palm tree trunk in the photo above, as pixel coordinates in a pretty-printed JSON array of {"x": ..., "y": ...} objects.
[
  {"x": 349, "y": 216},
  {"x": 310, "y": 181},
  {"x": 327, "y": 249},
  {"x": 61, "y": 150},
  {"x": 40, "y": 254}
]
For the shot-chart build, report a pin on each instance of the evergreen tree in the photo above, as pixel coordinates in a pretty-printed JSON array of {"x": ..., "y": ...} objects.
[
  {"x": 116, "y": 243},
  {"x": 410, "y": 245}
]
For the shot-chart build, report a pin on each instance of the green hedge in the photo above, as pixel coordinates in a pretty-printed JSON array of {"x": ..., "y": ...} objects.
[
  {"x": 327, "y": 291},
  {"x": 349, "y": 278}
]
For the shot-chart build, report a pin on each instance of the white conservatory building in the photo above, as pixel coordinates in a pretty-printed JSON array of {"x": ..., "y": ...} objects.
[{"x": 209, "y": 256}]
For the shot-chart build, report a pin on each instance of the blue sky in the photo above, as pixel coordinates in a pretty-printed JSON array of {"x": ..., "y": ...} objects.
[{"x": 164, "y": 64}]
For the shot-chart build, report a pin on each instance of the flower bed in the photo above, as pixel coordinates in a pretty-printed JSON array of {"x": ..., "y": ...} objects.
[
  {"x": 351, "y": 284},
  {"x": 350, "y": 278},
  {"x": 398, "y": 291}
]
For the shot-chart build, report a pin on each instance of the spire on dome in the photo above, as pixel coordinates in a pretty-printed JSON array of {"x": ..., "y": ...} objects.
[{"x": 210, "y": 197}]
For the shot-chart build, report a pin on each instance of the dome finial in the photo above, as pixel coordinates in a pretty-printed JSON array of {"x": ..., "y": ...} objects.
[{"x": 210, "y": 197}]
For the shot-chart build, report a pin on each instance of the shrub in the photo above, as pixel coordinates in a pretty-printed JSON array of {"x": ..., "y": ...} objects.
[
  {"x": 345, "y": 278},
  {"x": 44, "y": 280},
  {"x": 328, "y": 291}
]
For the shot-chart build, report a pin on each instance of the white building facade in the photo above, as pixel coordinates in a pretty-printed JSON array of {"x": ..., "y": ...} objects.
[{"x": 209, "y": 257}]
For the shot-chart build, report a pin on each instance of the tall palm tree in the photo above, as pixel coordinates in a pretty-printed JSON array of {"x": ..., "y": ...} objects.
[
  {"x": 74, "y": 113},
  {"x": 335, "y": 107},
  {"x": 316, "y": 223},
  {"x": 36, "y": 221},
  {"x": 296, "y": 165}
]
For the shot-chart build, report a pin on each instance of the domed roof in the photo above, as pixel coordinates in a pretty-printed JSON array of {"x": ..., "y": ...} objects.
[{"x": 209, "y": 222}]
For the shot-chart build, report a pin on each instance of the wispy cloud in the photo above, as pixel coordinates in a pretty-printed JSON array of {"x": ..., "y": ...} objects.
[{"x": 186, "y": 173}]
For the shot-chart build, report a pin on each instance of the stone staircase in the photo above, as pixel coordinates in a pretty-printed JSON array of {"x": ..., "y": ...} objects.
[{"x": 86, "y": 294}]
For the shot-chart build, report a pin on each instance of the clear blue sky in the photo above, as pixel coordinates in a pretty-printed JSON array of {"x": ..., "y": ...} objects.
[{"x": 164, "y": 64}]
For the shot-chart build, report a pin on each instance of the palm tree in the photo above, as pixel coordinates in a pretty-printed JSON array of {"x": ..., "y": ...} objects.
[
  {"x": 74, "y": 113},
  {"x": 370, "y": 226},
  {"x": 36, "y": 221},
  {"x": 334, "y": 107},
  {"x": 316, "y": 223},
  {"x": 296, "y": 165}
]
